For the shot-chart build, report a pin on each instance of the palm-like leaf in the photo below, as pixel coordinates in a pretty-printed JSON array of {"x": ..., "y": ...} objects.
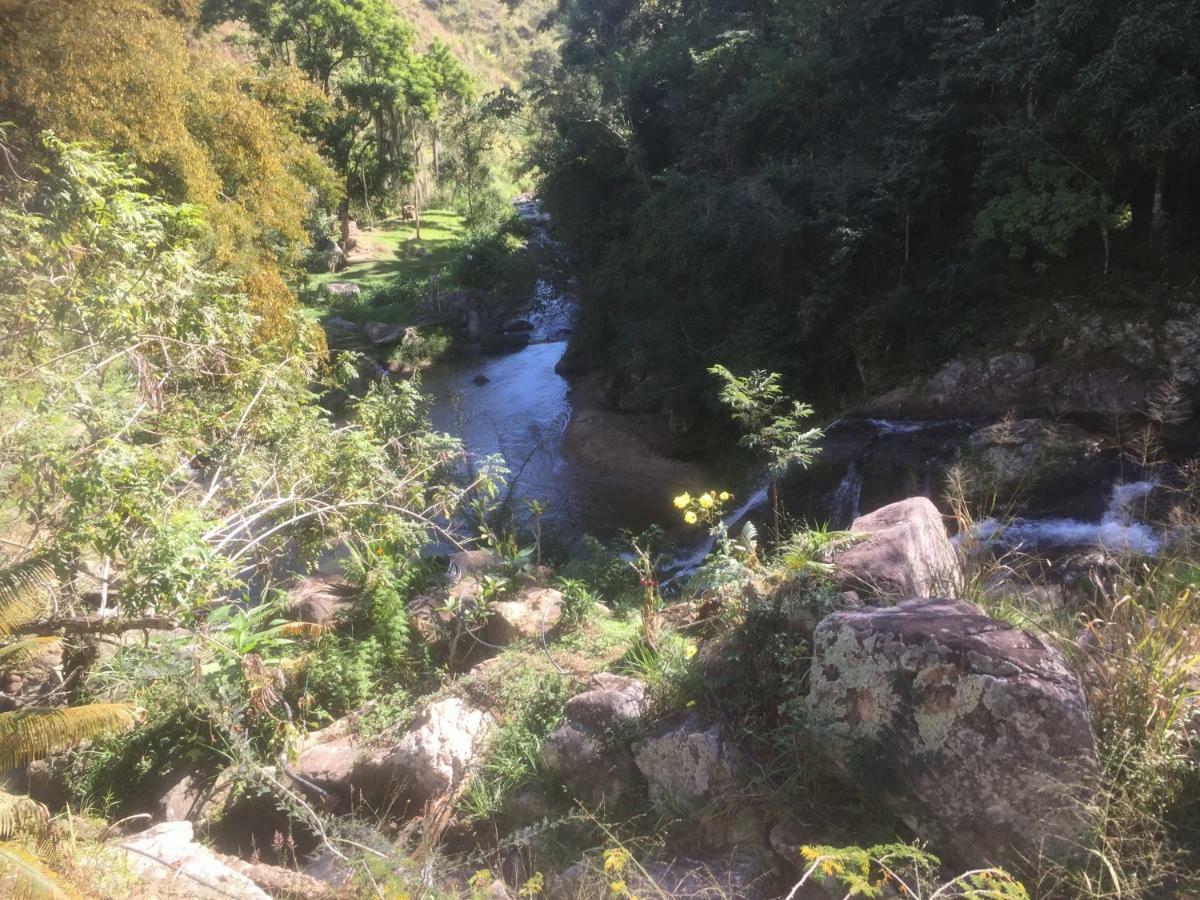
[
  {"x": 29, "y": 734},
  {"x": 20, "y": 652},
  {"x": 23, "y": 590},
  {"x": 25, "y": 878},
  {"x": 19, "y": 813}
]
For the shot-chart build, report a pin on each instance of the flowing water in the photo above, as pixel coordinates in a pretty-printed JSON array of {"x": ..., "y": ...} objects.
[
  {"x": 1117, "y": 531},
  {"x": 522, "y": 410}
]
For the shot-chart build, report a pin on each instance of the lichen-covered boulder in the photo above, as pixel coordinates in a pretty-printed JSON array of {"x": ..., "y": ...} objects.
[
  {"x": 586, "y": 751},
  {"x": 903, "y": 551},
  {"x": 691, "y": 766},
  {"x": 686, "y": 764},
  {"x": 973, "y": 732}
]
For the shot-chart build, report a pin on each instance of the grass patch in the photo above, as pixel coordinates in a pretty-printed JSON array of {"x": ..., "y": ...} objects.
[
  {"x": 397, "y": 283},
  {"x": 403, "y": 256}
]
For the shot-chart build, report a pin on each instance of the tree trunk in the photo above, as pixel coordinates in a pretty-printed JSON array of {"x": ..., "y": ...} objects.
[{"x": 1158, "y": 213}]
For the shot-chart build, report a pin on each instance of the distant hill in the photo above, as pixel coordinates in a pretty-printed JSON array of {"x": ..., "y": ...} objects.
[{"x": 496, "y": 43}]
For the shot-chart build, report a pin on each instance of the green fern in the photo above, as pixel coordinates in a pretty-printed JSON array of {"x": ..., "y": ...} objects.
[
  {"x": 25, "y": 877},
  {"x": 19, "y": 813},
  {"x": 29, "y": 734},
  {"x": 24, "y": 588}
]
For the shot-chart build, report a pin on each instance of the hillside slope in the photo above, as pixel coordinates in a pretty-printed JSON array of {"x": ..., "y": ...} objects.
[{"x": 499, "y": 44}]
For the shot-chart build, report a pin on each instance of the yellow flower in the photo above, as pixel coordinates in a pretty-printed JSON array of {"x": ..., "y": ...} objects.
[
  {"x": 617, "y": 887},
  {"x": 690, "y": 517},
  {"x": 725, "y": 496},
  {"x": 706, "y": 500},
  {"x": 683, "y": 500}
]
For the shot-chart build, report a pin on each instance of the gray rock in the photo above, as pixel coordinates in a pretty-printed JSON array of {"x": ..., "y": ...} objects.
[
  {"x": 383, "y": 334},
  {"x": 905, "y": 552},
  {"x": 536, "y": 611},
  {"x": 687, "y": 764},
  {"x": 585, "y": 751},
  {"x": 973, "y": 732},
  {"x": 342, "y": 334},
  {"x": 182, "y": 796},
  {"x": 609, "y": 702},
  {"x": 430, "y": 758},
  {"x": 340, "y": 290},
  {"x": 440, "y": 750},
  {"x": 168, "y": 857},
  {"x": 1013, "y": 382}
]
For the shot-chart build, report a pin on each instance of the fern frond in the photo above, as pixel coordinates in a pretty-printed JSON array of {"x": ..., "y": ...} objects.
[
  {"x": 20, "y": 652},
  {"x": 23, "y": 591},
  {"x": 27, "y": 878},
  {"x": 19, "y": 813},
  {"x": 29, "y": 734}
]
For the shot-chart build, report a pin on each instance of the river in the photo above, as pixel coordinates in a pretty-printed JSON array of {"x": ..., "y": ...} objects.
[{"x": 521, "y": 411}]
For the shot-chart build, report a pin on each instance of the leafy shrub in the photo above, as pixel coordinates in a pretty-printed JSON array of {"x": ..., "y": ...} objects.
[{"x": 340, "y": 674}]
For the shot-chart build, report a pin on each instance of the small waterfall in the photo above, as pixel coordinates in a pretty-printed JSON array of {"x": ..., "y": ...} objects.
[
  {"x": 844, "y": 503},
  {"x": 1117, "y": 531}
]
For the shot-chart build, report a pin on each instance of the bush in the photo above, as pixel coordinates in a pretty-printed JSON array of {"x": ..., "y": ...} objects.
[{"x": 341, "y": 675}]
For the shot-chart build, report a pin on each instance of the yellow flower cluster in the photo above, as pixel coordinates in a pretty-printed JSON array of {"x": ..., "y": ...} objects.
[{"x": 706, "y": 507}]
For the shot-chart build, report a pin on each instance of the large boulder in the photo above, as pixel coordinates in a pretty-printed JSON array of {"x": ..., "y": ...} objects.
[
  {"x": 423, "y": 761},
  {"x": 586, "y": 752},
  {"x": 384, "y": 334},
  {"x": 904, "y": 552},
  {"x": 971, "y": 731},
  {"x": 342, "y": 334},
  {"x": 686, "y": 763},
  {"x": 168, "y": 857},
  {"x": 695, "y": 772},
  {"x": 439, "y": 751},
  {"x": 340, "y": 290},
  {"x": 182, "y": 795},
  {"x": 621, "y": 446}
]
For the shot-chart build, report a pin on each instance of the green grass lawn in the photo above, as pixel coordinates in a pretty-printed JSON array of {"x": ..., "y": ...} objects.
[{"x": 402, "y": 258}]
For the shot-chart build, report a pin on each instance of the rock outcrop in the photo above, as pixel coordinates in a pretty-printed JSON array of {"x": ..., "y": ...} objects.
[
  {"x": 695, "y": 772},
  {"x": 585, "y": 751},
  {"x": 996, "y": 385},
  {"x": 440, "y": 749},
  {"x": 904, "y": 552},
  {"x": 973, "y": 732}
]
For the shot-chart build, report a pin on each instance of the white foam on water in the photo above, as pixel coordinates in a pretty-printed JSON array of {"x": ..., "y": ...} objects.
[
  {"x": 912, "y": 426},
  {"x": 844, "y": 504},
  {"x": 1117, "y": 531}
]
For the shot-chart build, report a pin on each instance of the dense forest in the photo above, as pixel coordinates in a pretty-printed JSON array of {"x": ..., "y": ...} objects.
[
  {"x": 840, "y": 192},
  {"x": 497, "y": 449}
]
